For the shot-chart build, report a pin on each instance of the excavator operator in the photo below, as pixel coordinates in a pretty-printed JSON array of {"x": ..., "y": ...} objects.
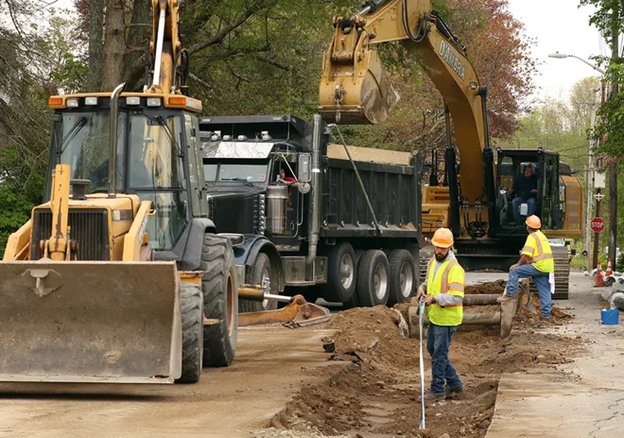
[{"x": 525, "y": 190}]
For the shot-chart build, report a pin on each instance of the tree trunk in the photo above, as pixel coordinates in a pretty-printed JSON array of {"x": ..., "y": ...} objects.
[
  {"x": 114, "y": 45},
  {"x": 139, "y": 33},
  {"x": 96, "y": 28}
]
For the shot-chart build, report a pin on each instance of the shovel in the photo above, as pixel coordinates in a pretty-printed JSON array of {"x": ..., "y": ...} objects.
[{"x": 528, "y": 305}]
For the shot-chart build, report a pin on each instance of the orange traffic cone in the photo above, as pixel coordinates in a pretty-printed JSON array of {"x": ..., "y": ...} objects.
[
  {"x": 609, "y": 268},
  {"x": 599, "y": 278}
]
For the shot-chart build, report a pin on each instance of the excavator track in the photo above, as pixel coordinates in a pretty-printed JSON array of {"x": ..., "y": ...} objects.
[
  {"x": 425, "y": 255},
  {"x": 562, "y": 274}
]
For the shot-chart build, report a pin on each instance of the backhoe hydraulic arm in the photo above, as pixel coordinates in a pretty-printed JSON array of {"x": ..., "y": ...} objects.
[{"x": 169, "y": 62}]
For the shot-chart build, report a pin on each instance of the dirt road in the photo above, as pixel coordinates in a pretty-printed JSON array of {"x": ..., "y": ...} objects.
[{"x": 270, "y": 366}]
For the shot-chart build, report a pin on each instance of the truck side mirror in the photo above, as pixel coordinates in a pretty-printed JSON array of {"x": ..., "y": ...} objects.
[{"x": 305, "y": 168}]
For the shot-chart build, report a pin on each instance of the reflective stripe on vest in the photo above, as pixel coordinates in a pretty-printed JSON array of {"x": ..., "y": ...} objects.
[
  {"x": 540, "y": 252},
  {"x": 449, "y": 315}
]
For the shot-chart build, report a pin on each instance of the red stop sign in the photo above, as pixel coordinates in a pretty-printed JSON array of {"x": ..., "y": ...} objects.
[{"x": 597, "y": 225}]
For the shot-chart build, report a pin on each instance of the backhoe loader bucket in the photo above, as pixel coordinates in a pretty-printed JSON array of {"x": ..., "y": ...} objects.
[
  {"x": 354, "y": 95},
  {"x": 115, "y": 322}
]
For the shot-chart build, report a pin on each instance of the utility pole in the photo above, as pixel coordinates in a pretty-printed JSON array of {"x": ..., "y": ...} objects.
[
  {"x": 590, "y": 187},
  {"x": 598, "y": 195},
  {"x": 612, "y": 171}
]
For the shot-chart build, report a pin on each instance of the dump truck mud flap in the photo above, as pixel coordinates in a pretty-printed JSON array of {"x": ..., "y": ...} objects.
[{"x": 115, "y": 322}]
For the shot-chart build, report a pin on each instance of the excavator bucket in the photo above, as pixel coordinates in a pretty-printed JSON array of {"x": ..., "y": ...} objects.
[
  {"x": 356, "y": 94},
  {"x": 115, "y": 322}
]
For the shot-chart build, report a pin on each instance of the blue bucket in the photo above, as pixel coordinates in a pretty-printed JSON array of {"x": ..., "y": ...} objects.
[{"x": 610, "y": 316}]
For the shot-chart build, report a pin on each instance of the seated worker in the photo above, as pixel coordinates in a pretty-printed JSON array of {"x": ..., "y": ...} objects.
[
  {"x": 284, "y": 178},
  {"x": 525, "y": 190}
]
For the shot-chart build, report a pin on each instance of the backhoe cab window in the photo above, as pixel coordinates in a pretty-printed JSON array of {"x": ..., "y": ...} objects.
[
  {"x": 156, "y": 156},
  {"x": 82, "y": 141},
  {"x": 156, "y": 173}
]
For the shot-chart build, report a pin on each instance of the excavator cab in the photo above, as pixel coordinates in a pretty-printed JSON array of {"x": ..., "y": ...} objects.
[{"x": 527, "y": 183}]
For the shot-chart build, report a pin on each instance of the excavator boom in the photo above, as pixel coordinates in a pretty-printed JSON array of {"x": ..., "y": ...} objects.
[{"x": 354, "y": 88}]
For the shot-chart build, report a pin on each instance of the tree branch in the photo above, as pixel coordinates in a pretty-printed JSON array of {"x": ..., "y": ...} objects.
[{"x": 239, "y": 21}]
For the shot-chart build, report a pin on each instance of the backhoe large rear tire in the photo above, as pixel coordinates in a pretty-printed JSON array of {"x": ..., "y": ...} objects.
[
  {"x": 192, "y": 315},
  {"x": 220, "y": 290}
]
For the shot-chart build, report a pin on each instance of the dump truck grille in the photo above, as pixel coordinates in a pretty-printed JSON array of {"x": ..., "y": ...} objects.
[{"x": 88, "y": 228}]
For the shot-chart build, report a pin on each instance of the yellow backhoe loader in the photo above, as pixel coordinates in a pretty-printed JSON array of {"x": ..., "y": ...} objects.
[{"x": 119, "y": 276}]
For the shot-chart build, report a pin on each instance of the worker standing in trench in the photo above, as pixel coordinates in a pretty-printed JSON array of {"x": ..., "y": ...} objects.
[
  {"x": 536, "y": 262},
  {"x": 444, "y": 289}
]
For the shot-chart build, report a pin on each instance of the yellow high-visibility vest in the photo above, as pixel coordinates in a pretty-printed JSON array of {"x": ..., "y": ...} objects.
[
  {"x": 450, "y": 278},
  {"x": 538, "y": 249}
]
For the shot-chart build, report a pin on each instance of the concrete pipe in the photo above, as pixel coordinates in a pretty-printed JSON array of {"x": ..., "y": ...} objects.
[{"x": 503, "y": 316}]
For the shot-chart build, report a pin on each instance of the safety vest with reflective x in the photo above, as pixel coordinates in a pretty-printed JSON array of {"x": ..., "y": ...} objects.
[
  {"x": 538, "y": 250},
  {"x": 449, "y": 278}
]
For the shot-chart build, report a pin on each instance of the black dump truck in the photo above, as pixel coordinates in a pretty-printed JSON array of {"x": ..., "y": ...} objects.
[{"x": 313, "y": 217}]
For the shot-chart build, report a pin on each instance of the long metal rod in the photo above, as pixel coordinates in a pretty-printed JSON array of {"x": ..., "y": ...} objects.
[
  {"x": 159, "y": 42},
  {"x": 278, "y": 298},
  {"x": 421, "y": 318},
  {"x": 357, "y": 174},
  {"x": 112, "y": 159}
]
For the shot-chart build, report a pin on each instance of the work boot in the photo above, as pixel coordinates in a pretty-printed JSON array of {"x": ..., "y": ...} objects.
[
  {"x": 455, "y": 391},
  {"x": 433, "y": 398},
  {"x": 504, "y": 298}
]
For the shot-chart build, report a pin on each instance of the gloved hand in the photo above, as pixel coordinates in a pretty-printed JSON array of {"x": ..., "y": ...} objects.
[{"x": 420, "y": 293}]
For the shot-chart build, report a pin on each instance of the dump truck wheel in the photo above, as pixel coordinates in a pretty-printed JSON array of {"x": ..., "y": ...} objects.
[
  {"x": 260, "y": 270},
  {"x": 341, "y": 274},
  {"x": 192, "y": 314},
  {"x": 353, "y": 302},
  {"x": 220, "y": 301},
  {"x": 402, "y": 276},
  {"x": 373, "y": 279}
]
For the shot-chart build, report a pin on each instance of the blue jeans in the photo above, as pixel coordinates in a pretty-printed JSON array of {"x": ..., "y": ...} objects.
[
  {"x": 541, "y": 281},
  {"x": 438, "y": 343},
  {"x": 515, "y": 207}
]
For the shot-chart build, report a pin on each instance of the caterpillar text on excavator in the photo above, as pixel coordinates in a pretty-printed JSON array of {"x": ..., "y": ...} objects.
[
  {"x": 120, "y": 276},
  {"x": 483, "y": 198}
]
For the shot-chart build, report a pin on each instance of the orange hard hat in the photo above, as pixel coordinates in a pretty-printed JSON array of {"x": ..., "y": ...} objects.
[
  {"x": 534, "y": 222},
  {"x": 443, "y": 238}
]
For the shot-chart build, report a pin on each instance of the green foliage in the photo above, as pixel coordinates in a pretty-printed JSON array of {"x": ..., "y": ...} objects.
[
  {"x": 560, "y": 126},
  {"x": 15, "y": 212}
]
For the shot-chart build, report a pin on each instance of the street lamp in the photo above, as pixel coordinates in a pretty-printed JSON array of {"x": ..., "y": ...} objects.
[{"x": 558, "y": 55}]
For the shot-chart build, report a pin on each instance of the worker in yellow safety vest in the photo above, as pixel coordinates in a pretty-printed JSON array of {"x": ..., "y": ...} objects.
[
  {"x": 443, "y": 294},
  {"x": 536, "y": 262}
]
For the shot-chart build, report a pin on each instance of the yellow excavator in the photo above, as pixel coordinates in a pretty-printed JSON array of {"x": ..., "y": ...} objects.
[
  {"x": 119, "y": 276},
  {"x": 477, "y": 197}
]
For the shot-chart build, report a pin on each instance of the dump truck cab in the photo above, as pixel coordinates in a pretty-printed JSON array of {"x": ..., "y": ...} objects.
[{"x": 245, "y": 173}]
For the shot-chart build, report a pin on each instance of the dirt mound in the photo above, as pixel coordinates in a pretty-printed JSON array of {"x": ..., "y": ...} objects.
[
  {"x": 494, "y": 287},
  {"x": 379, "y": 392},
  {"x": 372, "y": 334}
]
